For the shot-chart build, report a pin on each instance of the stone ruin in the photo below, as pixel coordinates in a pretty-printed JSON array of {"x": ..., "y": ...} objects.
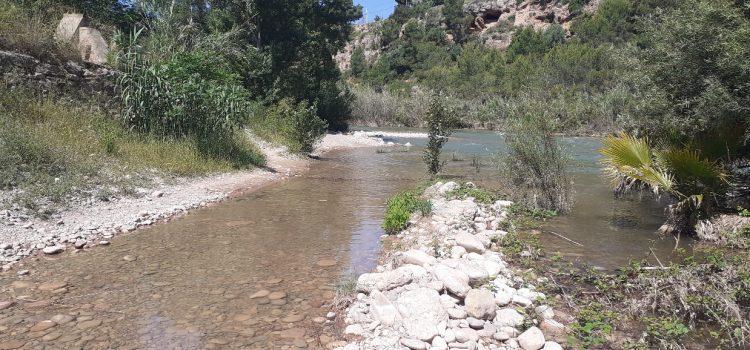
[{"x": 89, "y": 42}]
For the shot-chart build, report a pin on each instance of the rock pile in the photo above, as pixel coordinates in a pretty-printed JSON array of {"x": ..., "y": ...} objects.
[{"x": 449, "y": 290}]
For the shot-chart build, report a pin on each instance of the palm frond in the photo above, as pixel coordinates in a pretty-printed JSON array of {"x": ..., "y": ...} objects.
[
  {"x": 629, "y": 162},
  {"x": 690, "y": 169}
]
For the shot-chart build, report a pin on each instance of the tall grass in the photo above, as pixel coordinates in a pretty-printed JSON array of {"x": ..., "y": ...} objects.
[
  {"x": 31, "y": 31},
  {"x": 53, "y": 148}
]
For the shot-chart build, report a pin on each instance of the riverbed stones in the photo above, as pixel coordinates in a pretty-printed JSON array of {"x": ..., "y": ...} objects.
[
  {"x": 278, "y": 295},
  {"x": 414, "y": 344},
  {"x": 42, "y": 326},
  {"x": 260, "y": 294},
  {"x": 480, "y": 303},
  {"x": 326, "y": 263},
  {"x": 52, "y": 285},
  {"x": 89, "y": 324},
  {"x": 470, "y": 243},
  {"x": 422, "y": 312},
  {"x": 6, "y": 304},
  {"x": 12, "y": 344},
  {"x": 422, "y": 297},
  {"x": 55, "y": 249},
  {"x": 382, "y": 309},
  {"x": 531, "y": 339},
  {"x": 418, "y": 257},
  {"x": 455, "y": 281},
  {"x": 508, "y": 317}
]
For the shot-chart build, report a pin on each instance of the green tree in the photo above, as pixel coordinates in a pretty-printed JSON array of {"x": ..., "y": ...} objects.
[
  {"x": 358, "y": 63},
  {"x": 438, "y": 130}
]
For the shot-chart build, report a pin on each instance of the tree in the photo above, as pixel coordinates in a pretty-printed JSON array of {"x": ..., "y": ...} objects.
[
  {"x": 358, "y": 62},
  {"x": 438, "y": 130}
]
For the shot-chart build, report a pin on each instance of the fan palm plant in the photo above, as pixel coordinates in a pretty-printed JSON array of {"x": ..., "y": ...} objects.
[{"x": 695, "y": 183}]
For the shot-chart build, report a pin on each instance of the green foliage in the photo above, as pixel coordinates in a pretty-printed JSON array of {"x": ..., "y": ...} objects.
[
  {"x": 28, "y": 30},
  {"x": 696, "y": 72},
  {"x": 665, "y": 331},
  {"x": 358, "y": 62},
  {"x": 593, "y": 324},
  {"x": 535, "y": 166},
  {"x": 610, "y": 24},
  {"x": 399, "y": 209},
  {"x": 294, "y": 125},
  {"x": 528, "y": 41},
  {"x": 481, "y": 195},
  {"x": 438, "y": 129}
]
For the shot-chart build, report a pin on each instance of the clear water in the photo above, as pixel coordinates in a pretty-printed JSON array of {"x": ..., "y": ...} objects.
[{"x": 193, "y": 280}]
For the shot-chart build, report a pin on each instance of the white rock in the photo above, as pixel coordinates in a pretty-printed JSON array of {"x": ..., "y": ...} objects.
[
  {"x": 457, "y": 252},
  {"x": 545, "y": 311},
  {"x": 521, "y": 300},
  {"x": 469, "y": 242},
  {"x": 454, "y": 280},
  {"x": 456, "y": 313},
  {"x": 383, "y": 310},
  {"x": 480, "y": 303},
  {"x": 418, "y": 257},
  {"x": 366, "y": 282},
  {"x": 502, "y": 298},
  {"x": 439, "y": 344},
  {"x": 550, "y": 345},
  {"x": 464, "y": 335},
  {"x": 508, "y": 317},
  {"x": 532, "y": 339},
  {"x": 414, "y": 344},
  {"x": 422, "y": 312},
  {"x": 53, "y": 249},
  {"x": 354, "y": 329},
  {"x": 157, "y": 194},
  {"x": 401, "y": 276}
]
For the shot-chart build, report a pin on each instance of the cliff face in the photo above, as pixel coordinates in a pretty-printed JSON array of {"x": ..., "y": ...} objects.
[
  {"x": 365, "y": 36},
  {"x": 494, "y": 22}
]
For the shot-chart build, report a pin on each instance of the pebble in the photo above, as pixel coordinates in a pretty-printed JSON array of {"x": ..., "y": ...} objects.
[
  {"x": 276, "y": 295},
  {"x": 43, "y": 325},
  {"x": 129, "y": 258},
  {"x": 260, "y": 294},
  {"x": 326, "y": 263},
  {"x": 55, "y": 249},
  {"x": 22, "y": 272}
]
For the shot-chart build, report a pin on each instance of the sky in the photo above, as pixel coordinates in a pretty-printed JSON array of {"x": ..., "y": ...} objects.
[{"x": 372, "y": 8}]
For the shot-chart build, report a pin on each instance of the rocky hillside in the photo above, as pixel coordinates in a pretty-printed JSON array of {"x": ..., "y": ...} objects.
[{"x": 491, "y": 22}]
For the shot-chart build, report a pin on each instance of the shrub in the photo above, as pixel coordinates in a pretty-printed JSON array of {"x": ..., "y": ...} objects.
[
  {"x": 399, "y": 209},
  {"x": 30, "y": 31},
  {"x": 438, "y": 129},
  {"x": 294, "y": 125},
  {"x": 189, "y": 94},
  {"x": 535, "y": 166}
]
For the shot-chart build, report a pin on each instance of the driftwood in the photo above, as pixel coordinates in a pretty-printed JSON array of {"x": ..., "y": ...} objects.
[{"x": 566, "y": 238}]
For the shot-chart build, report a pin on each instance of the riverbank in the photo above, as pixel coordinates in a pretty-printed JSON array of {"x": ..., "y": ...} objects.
[
  {"x": 442, "y": 283},
  {"x": 97, "y": 222}
]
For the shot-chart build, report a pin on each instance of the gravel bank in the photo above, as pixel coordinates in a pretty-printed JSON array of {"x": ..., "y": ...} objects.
[
  {"x": 97, "y": 222},
  {"x": 447, "y": 288}
]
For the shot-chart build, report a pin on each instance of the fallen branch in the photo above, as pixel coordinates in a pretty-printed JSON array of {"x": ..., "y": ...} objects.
[
  {"x": 566, "y": 238},
  {"x": 657, "y": 258}
]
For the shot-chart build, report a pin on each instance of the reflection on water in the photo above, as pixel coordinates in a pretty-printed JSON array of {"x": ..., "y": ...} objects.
[{"x": 255, "y": 272}]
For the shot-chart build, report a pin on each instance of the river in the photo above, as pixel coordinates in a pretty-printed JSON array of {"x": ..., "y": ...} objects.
[{"x": 258, "y": 271}]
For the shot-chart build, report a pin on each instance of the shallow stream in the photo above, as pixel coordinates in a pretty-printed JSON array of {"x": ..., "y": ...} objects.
[{"x": 257, "y": 271}]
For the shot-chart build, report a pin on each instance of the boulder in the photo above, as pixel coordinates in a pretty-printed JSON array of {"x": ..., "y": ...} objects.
[
  {"x": 464, "y": 335},
  {"x": 422, "y": 312},
  {"x": 414, "y": 344},
  {"x": 417, "y": 257},
  {"x": 469, "y": 242},
  {"x": 454, "y": 280},
  {"x": 550, "y": 345},
  {"x": 531, "y": 339},
  {"x": 382, "y": 308},
  {"x": 480, "y": 303},
  {"x": 401, "y": 276},
  {"x": 508, "y": 317}
]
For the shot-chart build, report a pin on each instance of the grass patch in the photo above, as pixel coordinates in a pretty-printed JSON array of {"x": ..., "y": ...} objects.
[
  {"x": 53, "y": 148},
  {"x": 466, "y": 190},
  {"x": 399, "y": 210}
]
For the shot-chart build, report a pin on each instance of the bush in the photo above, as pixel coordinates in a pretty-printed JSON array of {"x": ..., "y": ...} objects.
[
  {"x": 294, "y": 125},
  {"x": 399, "y": 210},
  {"x": 535, "y": 166},
  {"x": 189, "y": 94},
  {"x": 438, "y": 129},
  {"x": 29, "y": 31}
]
